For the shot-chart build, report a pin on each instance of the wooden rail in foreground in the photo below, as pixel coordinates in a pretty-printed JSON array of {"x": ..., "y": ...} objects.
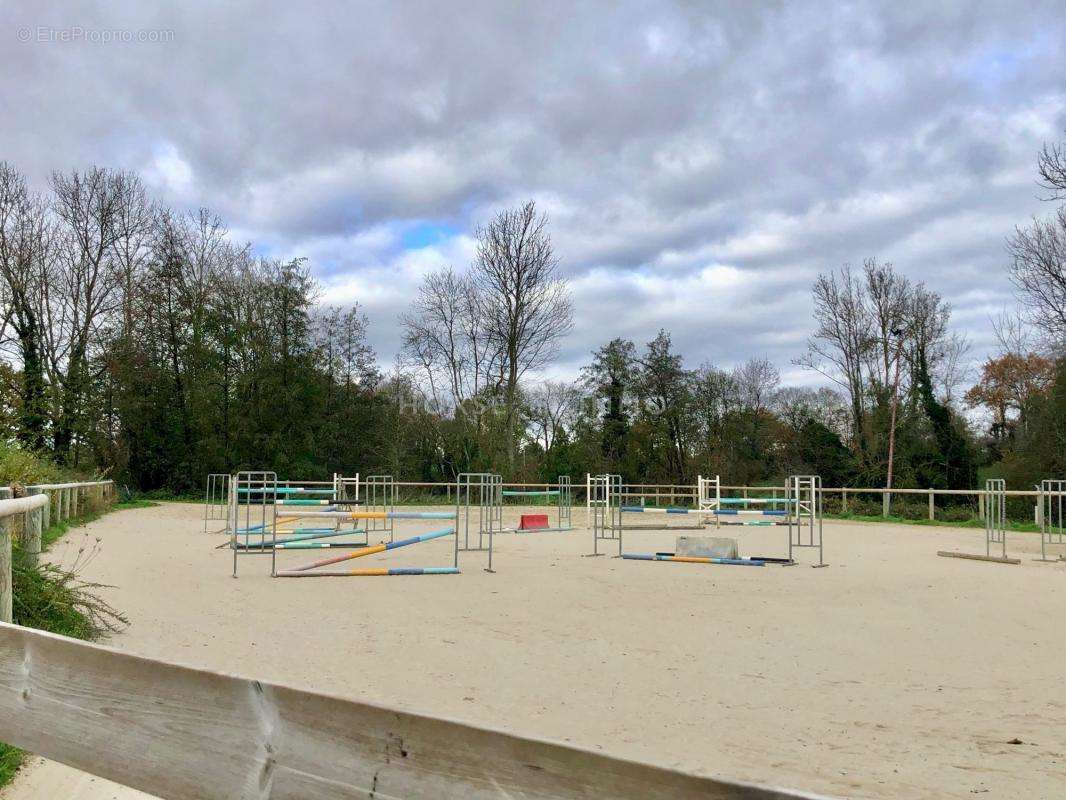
[{"x": 189, "y": 734}]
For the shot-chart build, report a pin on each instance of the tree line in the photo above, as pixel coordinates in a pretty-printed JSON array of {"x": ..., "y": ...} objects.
[{"x": 145, "y": 342}]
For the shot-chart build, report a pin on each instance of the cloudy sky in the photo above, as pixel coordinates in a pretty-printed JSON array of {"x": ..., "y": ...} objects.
[{"x": 701, "y": 162}]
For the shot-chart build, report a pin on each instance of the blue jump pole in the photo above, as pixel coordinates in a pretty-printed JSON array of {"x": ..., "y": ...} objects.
[
  {"x": 366, "y": 551},
  {"x": 733, "y": 562},
  {"x": 372, "y": 571},
  {"x": 761, "y": 512}
]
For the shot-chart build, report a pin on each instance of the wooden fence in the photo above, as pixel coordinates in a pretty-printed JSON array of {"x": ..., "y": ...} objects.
[
  {"x": 29, "y": 516},
  {"x": 189, "y": 734},
  {"x": 658, "y": 493}
]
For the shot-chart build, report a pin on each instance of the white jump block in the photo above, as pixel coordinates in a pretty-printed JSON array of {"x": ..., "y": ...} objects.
[{"x": 708, "y": 546}]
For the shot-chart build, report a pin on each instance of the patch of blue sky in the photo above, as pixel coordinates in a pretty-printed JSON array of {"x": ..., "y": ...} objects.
[
  {"x": 992, "y": 66},
  {"x": 426, "y": 234}
]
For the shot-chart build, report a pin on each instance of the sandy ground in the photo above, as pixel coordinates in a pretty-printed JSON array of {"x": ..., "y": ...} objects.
[{"x": 893, "y": 673}]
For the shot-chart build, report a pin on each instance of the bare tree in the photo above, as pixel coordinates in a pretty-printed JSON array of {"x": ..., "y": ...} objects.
[
  {"x": 888, "y": 294},
  {"x": 204, "y": 247},
  {"x": 1051, "y": 164},
  {"x": 798, "y": 405},
  {"x": 953, "y": 364},
  {"x": 755, "y": 382},
  {"x": 25, "y": 250},
  {"x": 1012, "y": 333},
  {"x": 926, "y": 325},
  {"x": 137, "y": 224},
  {"x": 1038, "y": 270},
  {"x": 867, "y": 331},
  {"x": 842, "y": 340},
  {"x": 82, "y": 289},
  {"x": 445, "y": 336},
  {"x": 526, "y": 305},
  {"x": 551, "y": 407}
]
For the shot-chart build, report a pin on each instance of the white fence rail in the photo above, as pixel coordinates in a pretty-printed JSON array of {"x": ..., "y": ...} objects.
[{"x": 688, "y": 493}]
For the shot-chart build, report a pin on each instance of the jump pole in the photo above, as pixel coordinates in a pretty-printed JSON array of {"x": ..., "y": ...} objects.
[
  {"x": 259, "y": 528},
  {"x": 734, "y": 562},
  {"x": 321, "y": 545},
  {"x": 667, "y": 510},
  {"x": 282, "y": 490},
  {"x": 367, "y": 551},
  {"x": 978, "y": 557},
  {"x": 700, "y": 513},
  {"x": 372, "y": 572},
  {"x": 293, "y": 515},
  {"x": 421, "y": 515},
  {"x": 307, "y": 537}
]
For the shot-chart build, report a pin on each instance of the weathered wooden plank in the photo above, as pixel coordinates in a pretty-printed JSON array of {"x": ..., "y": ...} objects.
[
  {"x": 975, "y": 557},
  {"x": 31, "y": 529},
  {"x": 188, "y": 734},
  {"x": 7, "y": 590}
]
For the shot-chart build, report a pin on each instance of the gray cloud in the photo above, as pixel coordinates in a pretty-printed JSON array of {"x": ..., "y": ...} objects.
[{"x": 701, "y": 162}]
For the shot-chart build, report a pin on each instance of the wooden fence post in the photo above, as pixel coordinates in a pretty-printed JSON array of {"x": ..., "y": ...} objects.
[
  {"x": 843, "y": 501},
  {"x": 46, "y": 511},
  {"x": 6, "y": 589},
  {"x": 980, "y": 505},
  {"x": 886, "y": 502},
  {"x": 31, "y": 531},
  {"x": 932, "y": 506}
]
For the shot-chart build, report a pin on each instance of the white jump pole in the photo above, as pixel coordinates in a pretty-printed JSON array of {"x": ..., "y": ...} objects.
[{"x": 588, "y": 499}]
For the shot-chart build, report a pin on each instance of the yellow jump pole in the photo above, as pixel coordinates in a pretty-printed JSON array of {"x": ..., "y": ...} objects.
[{"x": 367, "y": 551}]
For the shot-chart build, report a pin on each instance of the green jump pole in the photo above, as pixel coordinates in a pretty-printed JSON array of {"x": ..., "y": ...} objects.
[{"x": 301, "y": 537}]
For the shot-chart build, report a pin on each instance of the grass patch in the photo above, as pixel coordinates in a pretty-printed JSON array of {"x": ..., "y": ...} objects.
[
  {"x": 167, "y": 496},
  {"x": 52, "y": 598},
  {"x": 10, "y": 761},
  {"x": 56, "y": 530},
  {"x": 135, "y": 502}
]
